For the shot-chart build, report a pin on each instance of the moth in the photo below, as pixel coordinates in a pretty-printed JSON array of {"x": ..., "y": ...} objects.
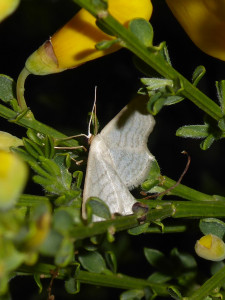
[{"x": 119, "y": 159}]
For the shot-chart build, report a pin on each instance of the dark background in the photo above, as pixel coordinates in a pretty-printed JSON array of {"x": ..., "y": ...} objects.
[{"x": 64, "y": 100}]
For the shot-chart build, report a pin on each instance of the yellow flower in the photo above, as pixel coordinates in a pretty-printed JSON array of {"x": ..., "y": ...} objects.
[
  {"x": 7, "y": 140},
  {"x": 38, "y": 231},
  {"x": 13, "y": 177},
  {"x": 7, "y": 7},
  {"x": 204, "y": 22},
  {"x": 74, "y": 44},
  {"x": 210, "y": 247}
]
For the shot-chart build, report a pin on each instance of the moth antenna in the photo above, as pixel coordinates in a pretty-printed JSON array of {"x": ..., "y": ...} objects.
[{"x": 93, "y": 116}]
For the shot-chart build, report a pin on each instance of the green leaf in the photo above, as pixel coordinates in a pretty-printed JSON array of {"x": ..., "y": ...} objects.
[
  {"x": 104, "y": 45},
  {"x": 111, "y": 261},
  {"x": 37, "y": 279},
  {"x": 155, "y": 104},
  {"x": 220, "y": 86},
  {"x": 139, "y": 229},
  {"x": 78, "y": 175},
  {"x": 99, "y": 208},
  {"x": 153, "y": 177},
  {"x": 199, "y": 72},
  {"x": 143, "y": 30},
  {"x": 50, "y": 166},
  {"x": 72, "y": 286},
  {"x": 158, "y": 277},
  {"x": 7, "y": 88},
  {"x": 92, "y": 262},
  {"x": 35, "y": 136},
  {"x": 163, "y": 50},
  {"x": 32, "y": 148},
  {"x": 212, "y": 226},
  {"x": 183, "y": 260},
  {"x": 65, "y": 253},
  {"x": 132, "y": 295},
  {"x": 65, "y": 175},
  {"x": 187, "y": 278},
  {"x": 62, "y": 221},
  {"x": 207, "y": 143},
  {"x": 216, "y": 266},
  {"x": 51, "y": 243},
  {"x": 23, "y": 154},
  {"x": 193, "y": 131},
  {"x": 149, "y": 293},
  {"x": 157, "y": 259},
  {"x": 153, "y": 84},
  {"x": 221, "y": 124},
  {"x": 174, "y": 293},
  {"x": 171, "y": 100},
  {"x": 49, "y": 147}
]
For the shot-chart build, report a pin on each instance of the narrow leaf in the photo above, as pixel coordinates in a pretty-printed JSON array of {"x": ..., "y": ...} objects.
[
  {"x": 7, "y": 88},
  {"x": 193, "y": 131},
  {"x": 207, "y": 143},
  {"x": 199, "y": 72},
  {"x": 220, "y": 86},
  {"x": 92, "y": 262},
  {"x": 132, "y": 295}
]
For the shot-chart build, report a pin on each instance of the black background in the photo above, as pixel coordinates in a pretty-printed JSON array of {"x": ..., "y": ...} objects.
[{"x": 63, "y": 101}]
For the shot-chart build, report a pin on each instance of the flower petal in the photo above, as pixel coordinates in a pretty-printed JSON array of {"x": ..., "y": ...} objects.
[
  {"x": 74, "y": 44},
  {"x": 204, "y": 22}
]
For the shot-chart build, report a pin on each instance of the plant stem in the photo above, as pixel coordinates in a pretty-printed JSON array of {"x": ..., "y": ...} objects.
[
  {"x": 186, "y": 209},
  {"x": 32, "y": 200},
  {"x": 11, "y": 115},
  {"x": 159, "y": 210},
  {"x": 119, "y": 224},
  {"x": 155, "y": 60},
  {"x": 115, "y": 280},
  {"x": 215, "y": 281},
  {"x": 184, "y": 191},
  {"x": 20, "y": 88}
]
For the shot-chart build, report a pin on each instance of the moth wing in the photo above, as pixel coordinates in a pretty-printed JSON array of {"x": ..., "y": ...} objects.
[
  {"x": 103, "y": 181},
  {"x": 126, "y": 137}
]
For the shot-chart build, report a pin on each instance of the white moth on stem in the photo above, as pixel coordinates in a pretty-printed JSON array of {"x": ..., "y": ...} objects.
[{"x": 119, "y": 159}]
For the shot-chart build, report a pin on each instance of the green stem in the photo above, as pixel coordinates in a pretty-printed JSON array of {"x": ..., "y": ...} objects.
[
  {"x": 113, "y": 280},
  {"x": 155, "y": 60},
  {"x": 159, "y": 210},
  {"x": 32, "y": 200},
  {"x": 20, "y": 88},
  {"x": 186, "y": 209},
  {"x": 10, "y": 115},
  {"x": 215, "y": 281},
  {"x": 184, "y": 191},
  {"x": 119, "y": 224}
]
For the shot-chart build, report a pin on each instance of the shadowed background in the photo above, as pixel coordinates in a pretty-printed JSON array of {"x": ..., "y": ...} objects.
[{"x": 63, "y": 101}]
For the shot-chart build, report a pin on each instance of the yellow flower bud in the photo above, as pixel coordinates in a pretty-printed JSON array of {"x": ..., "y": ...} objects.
[
  {"x": 39, "y": 232},
  {"x": 7, "y": 7},
  {"x": 210, "y": 247},
  {"x": 74, "y": 44},
  {"x": 8, "y": 140},
  {"x": 13, "y": 177},
  {"x": 204, "y": 22}
]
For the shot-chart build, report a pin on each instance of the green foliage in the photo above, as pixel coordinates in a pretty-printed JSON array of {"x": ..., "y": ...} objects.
[
  {"x": 44, "y": 235},
  {"x": 212, "y": 226},
  {"x": 142, "y": 30}
]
